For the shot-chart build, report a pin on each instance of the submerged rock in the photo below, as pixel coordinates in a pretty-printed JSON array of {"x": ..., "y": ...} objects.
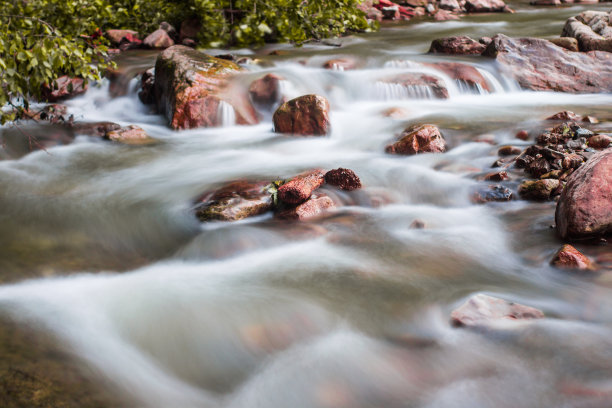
[
  {"x": 418, "y": 139},
  {"x": 265, "y": 91},
  {"x": 344, "y": 179},
  {"x": 191, "y": 86},
  {"x": 481, "y": 311},
  {"x": 422, "y": 85},
  {"x": 340, "y": 64},
  {"x": 459, "y": 45},
  {"x": 538, "y": 65},
  {"x": 569, "y": 257},
  {"x": 300, "y": 188},
  {"x": 584, "y": 209},
  {"x": 131, "y": 135},
  {"x": 235, "y": 201},
  {"x": 463, "y": 73},
  {"x": 307, "y": 115},
  {"x": 592, "y": 30},
  {"x": 309, "y": 209},
  {"x": 492, "y": 193}
]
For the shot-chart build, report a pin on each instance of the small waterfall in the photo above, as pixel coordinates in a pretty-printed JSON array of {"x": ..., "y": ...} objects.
[
  {"x": 466, "y": 87},
  {"x": 390, "y": 91},
  {"x": 401, "y": 64},
  {"x": 227, "y": 114}
]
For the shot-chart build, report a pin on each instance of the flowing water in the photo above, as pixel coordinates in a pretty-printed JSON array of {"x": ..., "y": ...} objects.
[{"x": 100, "y": 249}]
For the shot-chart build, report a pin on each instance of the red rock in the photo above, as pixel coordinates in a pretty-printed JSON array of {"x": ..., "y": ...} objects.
[
  {"x": 450, "y": 5},
  {"x": 599, "y": 141},
  {"x": 309, "y": 209},
  {"x": 118, "y": 37},
  {"x": 158, "y": 39},
  {"x": 404, "y": 13},
  {"x": 344, "y": 179},
  {"x": 569, "y": 43},
  {"x": 583, "y": 210},
  {"x": 131, "y": 135},
  {"x": 538, "y": 65},
  {"x": 444, "y": 15},
  {"x": 420, "y": 81},
  {"x": 371, "y": 12},
  {"x": 485, "y": 6},
  {"x": 300, "y": 188},
  {"x": 63, "y": 88},
  {"x": 482, "y": 310},
  {"x": 463, "y": 73},
  {"x": 460, "y": 45},
  {"x": 565, "y": 115},
  {"x": 235, "y": 201},
  {"x": 497, "y": 176},
  {"x": 545, "y": 2},
  {"x": 190, "y": 86},
  {"x": 522, "y": 134},
  {"x": 391, "y": 13},
  {"x": 569, "y": 257},
  {"x": 340, "y": 64},
  {"x": 572, "y": 161},
  {"x": 590, "y": 119},
  {"x": 418, "y": 139},
  {"x": 306, "y": 115},
  {"x": 266, "y": 90},
  {"x": 97, "y": 129},
  {"x": 509, "y": 151},
  {"x": 592, "y": 29}
]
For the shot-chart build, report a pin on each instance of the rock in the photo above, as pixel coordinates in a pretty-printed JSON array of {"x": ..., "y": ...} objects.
[
  {"x": 600, "y": 141},
  {"x": 53, "y": 113},
  {"x": 572, "y": 161},
  {"x": 450, "y": 5},
  {"x": 509, "y": 151},
  {"x": 191, "y": 86},
  {"x": 306, "y": 115},
  {"x": 485, "y": 6},
  {"x": 421, "y": 85},
  {"x": 538, "y": 189},
  {"x": 344, "y": 179},
  {"x": 444, "y": 15},
  {"x": 131, "y": 135},
  {"x": 590, "y": 119},
  {"x": 538, "y": 167},
  {"x": 402, "y": 12},
  {"x": 300, "y": 188},
  {"x": 583, "y": 211},
  {"x": 545, "y": 2},
  {"x": 265, "y": 91},
  {"x": 492, "y": 193},
  {"x": 569, "y": 43},
  {"x": 371, "y": 12},
  {"x": 496, "y": 176},
  {"x": 482, "y": 310},
  {"x": 169, "y": 29},
  {"x": 522, "y": 135},
  {"x": 147, "y": 87},
  {"x": 119, "y": 37},
  {"x": 309, "y": 209},
  {"x": 417, "y": 224},
  {"x": 463, "y": 73},
  {"x": 235, "y": 201},
  {"x": 538, "y": 65},
  {"x": 340, "y": 64},
  {"x": 460, "y": 45},
  {"x": 391, "y": 13},
  {"x": 565, "y": 115},
  {"x": 158, "y": 39},
  {"x": 418, "y": 139},
  {"x": 63, "y": 88},
  {"x": 592, "y": 30},
  {"x": 96, "y": 129},
  {"x": 569, "y": 257}
]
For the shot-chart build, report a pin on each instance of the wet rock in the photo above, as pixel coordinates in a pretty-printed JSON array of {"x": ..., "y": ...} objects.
[
  {"x": 538, "y": 190},
  {"x": 522, "y": 135},
  {"x": 235, "y": 201},
  {"x": 121, "y": 37},
  {"x": 417, "y": 224},
  {"x": 420, "y": 84},
  {"x": 583, "y": 210},
  {"x": 460, "y": 45},
  {"x": 391, "y": 13},
  {"x": 63, "y": 88},
  {"x": 340, "y": 64},
  {"x": 147, "y": 87},
  {"x": 306, "y": 115},
  {"x": 418, "y": 139},
  {"x": 492, "y": 193},
  {"x": 315, "y": 206},
  {"x": 565, "y": 115},
  {"x": 450, "y": 5},
  {"x": 300, "y": 188},
  {"x": 569, "y": 257},
  {"x": 496, "y": 176},
  {"x": 590, "y": 119},
  {"x": 158, "y": 39},
  {"x": 545, "y": 2},
  {"x": 130, "y": 135},
  {"x": 485, "y": 6},
  {"x": 538, "y": 167},
  {"x": 592, "y": 30},
  {"x": 481, "y": 311},
  {"x": 599, "y": 141},
  {"x": 95, "y": 129},
  {"x": 444, "y": 15},
  {"x": 464, "y": 73},
  {"x": 265, "y": 91},
  {"x": 371, "y": 12},
  {"x": 569, "y": 43},
  {"x": 344, "y": 179},
  {"x": 191, "y": 86},
  {"x": 52, "y": 113},
  {"x": 572, "y": 161},
  {"x": 509, "y": 151},
  {"x": 393, "y": 10},
  {"x": 538, "y": 65}
]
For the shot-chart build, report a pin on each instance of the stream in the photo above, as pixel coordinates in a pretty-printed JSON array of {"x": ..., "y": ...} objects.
[{"x": 101, "y": 252}]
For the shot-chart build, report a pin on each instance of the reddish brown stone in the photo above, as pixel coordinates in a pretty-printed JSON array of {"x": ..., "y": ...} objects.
[
  {"x": 522, "y": 135},
  {"x": 235, "y": 201},
  {"x": 569, "y": 257},
  {"x": 97, "y": 129},
  {"x": 444, "y": 15},
  {"x": 266, "y": 90},
  {"x": 309, "y": 209},
  {"x": 464, "y": 73},
  {"x": 592, "y": 29},
  {"x": 485, "y": 6},
  {"x": 482, "y": 311},
  {"x": 509, "y": 151},
  {"x": 564, "y": 115},
  {"x": 497, "y": 176},
  {"x": 538, "y": 65},
  {"x": 590, "y": 119},
  {"x": 340, "y": 64},
  {"x": 344, "y": 179},
  {"x": 569, "y": 43},
  {"x": 460, "y": 45},
  {"x": 306, "y": 115},
  {"x": 190, "y": 86},
  {"x": 63, "y": 88},
  {"x": 415, "y": 80},
  {"x": 572, "y": 161},
  {"x": 158, "y": 39},
  {"x": 584, "y": 207},
  {"x": 131, "y": 135},
  {"x": 300, "y": 188},
  {"x": 118, "y": 37},
  {"x": 599, "y": 141},
  {"x": 418, "y": 139}
]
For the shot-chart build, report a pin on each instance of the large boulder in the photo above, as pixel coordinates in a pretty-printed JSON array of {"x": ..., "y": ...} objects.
[
  {"x": 460, "y": 45},
  {"x": 592, "y": 29},
  {"x": 584, "y": 209},
  {"x": 539, "y": 65},
  {"x": 418, "y": 139},
  {"x": 306, "y": 115},
  {"x": 190, "y": 87}
]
